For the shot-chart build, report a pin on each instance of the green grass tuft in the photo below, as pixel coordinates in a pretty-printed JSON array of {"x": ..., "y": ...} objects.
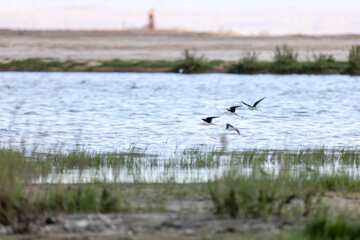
[{"x": 329, "y": 227}]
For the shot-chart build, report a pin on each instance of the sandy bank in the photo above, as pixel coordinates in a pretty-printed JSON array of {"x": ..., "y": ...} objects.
[{"x": 160, "y": 45}]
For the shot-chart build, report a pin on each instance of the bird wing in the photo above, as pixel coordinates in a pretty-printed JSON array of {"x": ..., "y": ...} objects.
[
  {"x": 233, "y": 108},
  {"x": 256, "y": 103},
  {"x": 209, "y": 119},
  {"x": 237, "y": 131},
  {"x": 246, "y": 104}
]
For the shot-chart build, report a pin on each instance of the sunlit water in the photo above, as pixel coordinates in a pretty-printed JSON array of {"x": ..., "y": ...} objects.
[{"x": 112, "y": 111}]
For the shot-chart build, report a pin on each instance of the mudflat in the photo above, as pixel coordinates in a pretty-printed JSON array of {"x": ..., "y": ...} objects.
[{"x": 162, "y": 45}]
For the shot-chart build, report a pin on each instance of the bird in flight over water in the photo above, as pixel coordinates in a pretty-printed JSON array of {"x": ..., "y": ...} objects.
[
  {"x": 232, "y": 128},
  {"x": 208, "y": 121},
  {"x": 232, "y": 110},
  {"x": 253, "y": 107}
]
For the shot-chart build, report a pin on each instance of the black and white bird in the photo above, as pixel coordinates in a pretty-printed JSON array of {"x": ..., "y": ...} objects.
[
  {"x": 253, "y": 107},
  {"x": 232, "y": 128},
  {"x": 232, "y": 110},
  {"x": 208, "y": 121}
]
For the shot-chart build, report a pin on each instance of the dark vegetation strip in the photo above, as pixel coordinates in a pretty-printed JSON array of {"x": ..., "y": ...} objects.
[{"x": 285, "y": 61}]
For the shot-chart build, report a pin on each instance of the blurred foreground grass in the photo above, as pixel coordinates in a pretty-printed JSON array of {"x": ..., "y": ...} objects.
[{"x": 292, "y": 185}]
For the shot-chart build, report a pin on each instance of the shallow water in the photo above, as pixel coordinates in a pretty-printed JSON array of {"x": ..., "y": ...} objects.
[{"x": 107, "y": 111}]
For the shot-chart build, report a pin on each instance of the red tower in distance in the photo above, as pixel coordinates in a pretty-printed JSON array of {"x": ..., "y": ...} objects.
[{"x": 151, "y": 25}]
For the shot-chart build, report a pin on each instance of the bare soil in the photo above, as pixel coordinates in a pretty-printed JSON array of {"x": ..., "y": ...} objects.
[{"x": 161, "y": 45}]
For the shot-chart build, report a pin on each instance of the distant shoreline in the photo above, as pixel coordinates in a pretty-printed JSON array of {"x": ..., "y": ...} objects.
[
  {"x": 146, "y": 66},
  {"x": 164, "y": 51}
]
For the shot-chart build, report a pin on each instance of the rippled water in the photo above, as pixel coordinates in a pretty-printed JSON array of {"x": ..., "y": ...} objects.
[{"x": 107, "y": 111}]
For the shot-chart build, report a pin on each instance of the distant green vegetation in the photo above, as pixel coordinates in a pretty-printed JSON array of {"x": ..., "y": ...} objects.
[
  {"x": 354, "y": 60},
  {"x": 118, "y": 65},
  {"x": 37, "y": 64},
  {"x": 285, "y": 61}
]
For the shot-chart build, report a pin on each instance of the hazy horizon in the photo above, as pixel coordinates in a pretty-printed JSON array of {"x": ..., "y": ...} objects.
[{"x": 256, "y": 17}]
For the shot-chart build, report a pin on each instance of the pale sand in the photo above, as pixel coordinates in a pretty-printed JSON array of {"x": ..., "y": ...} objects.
[{"x": 160, "y": 45}]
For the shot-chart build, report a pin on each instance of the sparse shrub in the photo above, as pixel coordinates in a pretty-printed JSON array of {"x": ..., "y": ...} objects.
[
  {"x": 324, "y": 58},
  {"x": 354, "y": 60},
  {"x": 247, "y": 64},
  {"x": 285, "y": 61},
  {"x": 285, "y": 55},
  {"x": 192, "y": 64},
  {"x": 322, "y": 62}
]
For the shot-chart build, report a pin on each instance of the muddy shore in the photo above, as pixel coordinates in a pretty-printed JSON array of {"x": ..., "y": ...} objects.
[{"x": 190, "y": 218}]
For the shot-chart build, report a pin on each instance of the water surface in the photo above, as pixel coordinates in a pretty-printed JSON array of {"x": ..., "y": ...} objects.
[{"x": 161, "y": 111}]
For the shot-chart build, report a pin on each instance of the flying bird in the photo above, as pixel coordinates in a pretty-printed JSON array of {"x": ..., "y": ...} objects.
[
  {"x": 208, "y": 121},
  {"x": 232, "y": 110},
  {"x": 253, "y": 107},
  {"x": 232, "y": 128}
]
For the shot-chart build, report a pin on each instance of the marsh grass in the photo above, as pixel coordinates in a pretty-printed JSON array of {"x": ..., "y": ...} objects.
[
  {"x": 16, "y": 163},
  {"x": 249, "y": 188}
]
